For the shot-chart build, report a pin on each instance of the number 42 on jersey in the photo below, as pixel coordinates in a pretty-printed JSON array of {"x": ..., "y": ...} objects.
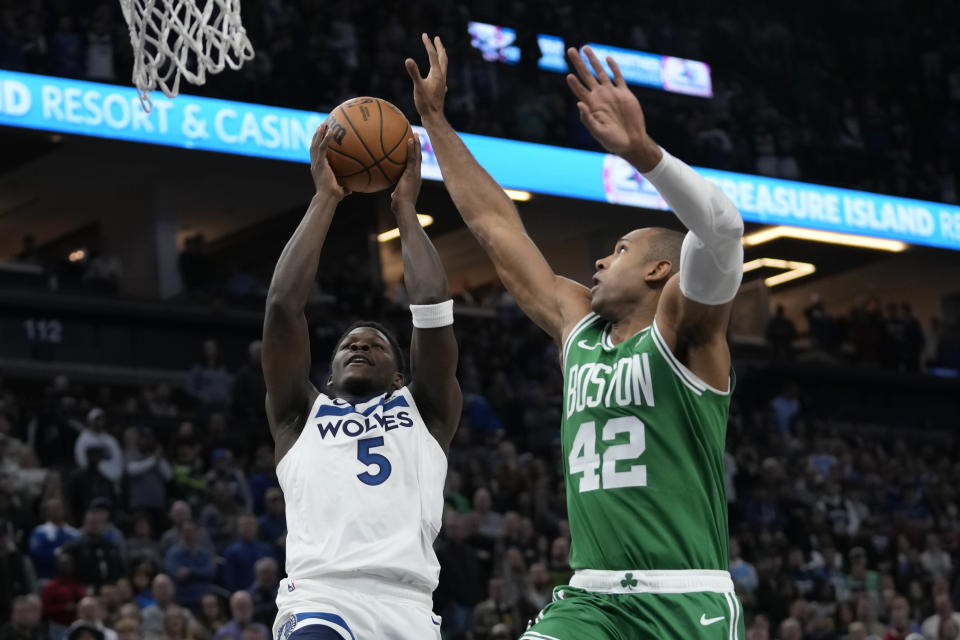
[{"x": 612, "y": 471}]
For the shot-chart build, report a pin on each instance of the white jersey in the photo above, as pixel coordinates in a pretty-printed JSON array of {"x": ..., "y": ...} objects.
[{"x": 363, "y": 486}]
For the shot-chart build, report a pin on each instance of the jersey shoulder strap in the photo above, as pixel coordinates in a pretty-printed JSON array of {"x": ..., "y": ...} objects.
[{"x": 582, "y": 328}]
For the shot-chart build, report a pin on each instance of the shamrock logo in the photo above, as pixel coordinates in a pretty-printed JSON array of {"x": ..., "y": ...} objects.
[{"x": 628, "y": 582}]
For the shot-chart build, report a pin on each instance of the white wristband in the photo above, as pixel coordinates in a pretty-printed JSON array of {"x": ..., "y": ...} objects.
[{"x": 432, "y": 316}]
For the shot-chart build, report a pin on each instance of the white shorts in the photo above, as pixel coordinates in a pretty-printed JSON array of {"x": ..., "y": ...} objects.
[{"x": 358, "y": 609}]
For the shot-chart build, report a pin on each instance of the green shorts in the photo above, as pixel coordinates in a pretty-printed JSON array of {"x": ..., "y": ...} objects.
[{"x": 578, "y": 614}]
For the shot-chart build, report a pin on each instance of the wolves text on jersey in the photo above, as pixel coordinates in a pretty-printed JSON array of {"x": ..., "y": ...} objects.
[
  {"x": 626, "y": 383},
  {"x": 344, "y": 419},
  {"x": 355, "y": 427}
]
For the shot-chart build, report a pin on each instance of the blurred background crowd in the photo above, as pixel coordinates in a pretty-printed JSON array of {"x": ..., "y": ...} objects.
[
  {"x": 132, "y": 510},
  {"x": 153, "y": 511}
]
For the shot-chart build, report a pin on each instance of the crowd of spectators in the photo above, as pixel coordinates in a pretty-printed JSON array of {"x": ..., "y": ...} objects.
[
  {"x": 842, "y": 93},
  {"x": 155, "y": 512},
  {"x": 871, "y": 333}
]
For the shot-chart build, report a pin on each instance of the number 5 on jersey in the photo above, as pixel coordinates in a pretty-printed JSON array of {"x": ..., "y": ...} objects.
[
  {"x": 373, "y": 459},
  {"x": 585, "y": 460}
]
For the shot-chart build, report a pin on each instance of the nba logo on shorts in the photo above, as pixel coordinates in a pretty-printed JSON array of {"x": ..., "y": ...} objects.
[
  {"x": 288, "y": 626},
  {"x": 291, "y": 586}
]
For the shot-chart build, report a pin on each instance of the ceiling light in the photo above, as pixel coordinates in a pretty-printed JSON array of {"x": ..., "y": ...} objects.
[
  {"x": 517, "y": 196},
  {"x": 792, "y": 269},
  {"x": 393, "y": 234},
  {"x": 77, "y": 256},
  {"x": 832, "y": 237}
]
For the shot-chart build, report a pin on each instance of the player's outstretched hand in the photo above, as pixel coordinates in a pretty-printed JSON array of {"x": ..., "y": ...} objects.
[
  {"x": 609, "y": 109},
  {"x": 429, "y": 92},
  {"x": 323, "y": 179},
  {"x": 408, "y": 186}
]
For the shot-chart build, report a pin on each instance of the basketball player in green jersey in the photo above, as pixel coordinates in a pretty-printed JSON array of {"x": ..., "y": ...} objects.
[{"x": 647, "y": 378}]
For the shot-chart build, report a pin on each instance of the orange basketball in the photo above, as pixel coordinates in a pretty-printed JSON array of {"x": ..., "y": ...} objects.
[{"x": 368, "y": 149}]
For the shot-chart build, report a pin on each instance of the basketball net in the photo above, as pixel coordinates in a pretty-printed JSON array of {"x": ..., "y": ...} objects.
[{"x": 174, "y": 39}]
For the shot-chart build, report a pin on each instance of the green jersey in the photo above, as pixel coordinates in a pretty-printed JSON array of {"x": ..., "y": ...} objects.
[{"x": 643, "y": 441}]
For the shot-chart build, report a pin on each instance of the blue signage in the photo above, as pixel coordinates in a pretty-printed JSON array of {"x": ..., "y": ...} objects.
[
  {"x": 785, "y": 202},
  {"x": 553, "y": 53},
  {"x": 637, "y": 67},
  {"x": 108, "y": 111},
  {"x": 676, "y": 75}
]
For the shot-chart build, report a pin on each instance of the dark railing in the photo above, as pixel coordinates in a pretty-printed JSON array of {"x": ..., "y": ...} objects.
[{"x": 83, "y": 329}]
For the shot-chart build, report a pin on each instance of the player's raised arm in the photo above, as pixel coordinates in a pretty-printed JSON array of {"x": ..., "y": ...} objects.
[
  {"x": 286, "y": 341},
  {"x": 554, "y": 303},
  {"x": 695, "y": 306},
  {"x": 433, "y": 347}
]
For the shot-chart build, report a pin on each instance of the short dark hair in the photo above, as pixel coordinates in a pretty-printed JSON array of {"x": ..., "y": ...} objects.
[
  {"x": 372, "y": 324},
  {"x": 665, "y": 244}
]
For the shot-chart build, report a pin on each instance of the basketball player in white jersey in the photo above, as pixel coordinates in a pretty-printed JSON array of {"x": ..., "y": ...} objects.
[{"x": 362, "y": 463}]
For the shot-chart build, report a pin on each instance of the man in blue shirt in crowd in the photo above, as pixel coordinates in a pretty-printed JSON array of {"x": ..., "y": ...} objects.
[
  {"x": 190, "y": 565},
  {"x": 48, "y": 537},
  {"x": 273, "y": 523},
  {"x": 241, "y": 556}
]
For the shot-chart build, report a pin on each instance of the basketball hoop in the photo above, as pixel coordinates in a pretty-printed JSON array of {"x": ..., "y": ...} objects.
[{"x": 174, "y": 39}]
